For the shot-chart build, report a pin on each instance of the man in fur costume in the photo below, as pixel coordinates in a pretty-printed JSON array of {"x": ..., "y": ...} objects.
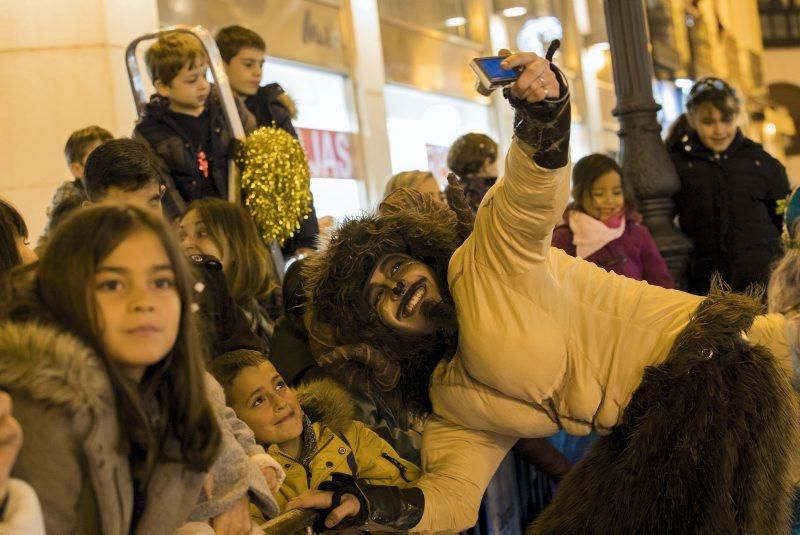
[{"x": 498, "y": 337}]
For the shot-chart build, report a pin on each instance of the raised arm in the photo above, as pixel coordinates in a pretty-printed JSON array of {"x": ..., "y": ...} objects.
[{"x": 516, "y": 219}]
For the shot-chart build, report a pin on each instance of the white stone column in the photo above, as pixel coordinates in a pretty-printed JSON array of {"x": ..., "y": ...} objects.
[
  {"x": 364, "y": 54},
  {"x": 62, "y": 68}
]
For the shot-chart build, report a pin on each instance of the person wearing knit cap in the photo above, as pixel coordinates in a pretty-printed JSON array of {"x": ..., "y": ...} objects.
[{"x": 496, "y": 336}]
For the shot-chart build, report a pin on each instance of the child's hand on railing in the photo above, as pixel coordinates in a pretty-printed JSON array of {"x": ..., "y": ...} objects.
[{"x": 322, "y": 499}]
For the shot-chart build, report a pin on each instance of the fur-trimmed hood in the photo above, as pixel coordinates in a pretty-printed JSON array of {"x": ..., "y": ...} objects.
[
  {"x": 52, "y": 366},
  {"x": 342, "y": 445},
  {"x": 407, "y": 223},
  {"x": 327, "y": 402},
  {"x": 335, "y": 276},
  {"x": 72, "y": 454}
]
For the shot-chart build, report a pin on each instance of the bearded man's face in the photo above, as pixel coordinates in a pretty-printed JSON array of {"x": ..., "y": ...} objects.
[{"x": 399, "y": 290}]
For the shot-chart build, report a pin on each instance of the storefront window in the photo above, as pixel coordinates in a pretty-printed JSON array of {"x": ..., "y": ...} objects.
[
  {"x": 447, "y": 16},
  {"x": 321, "y": 96},
  {"x": 422, "y": 126},
  {"x": 325, "y": 126}
]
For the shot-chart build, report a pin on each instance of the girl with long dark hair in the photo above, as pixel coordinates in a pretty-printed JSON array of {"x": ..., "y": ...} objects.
[{"x": 103, "y": 359}]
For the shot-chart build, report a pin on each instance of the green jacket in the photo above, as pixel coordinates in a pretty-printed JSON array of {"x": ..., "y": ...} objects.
[{"x": 343, "y": 445}]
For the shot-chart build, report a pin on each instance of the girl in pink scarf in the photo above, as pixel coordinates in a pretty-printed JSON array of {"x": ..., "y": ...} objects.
[{"x": 601, "y": 225}]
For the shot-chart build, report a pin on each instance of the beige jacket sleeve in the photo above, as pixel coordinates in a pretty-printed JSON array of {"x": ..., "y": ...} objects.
[
  {"x": 514, "y": 225},
  {"x": 458, "y": 464}
]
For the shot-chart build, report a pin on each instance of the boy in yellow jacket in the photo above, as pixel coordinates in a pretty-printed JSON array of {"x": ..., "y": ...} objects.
[{"x": 310, "y": 432}]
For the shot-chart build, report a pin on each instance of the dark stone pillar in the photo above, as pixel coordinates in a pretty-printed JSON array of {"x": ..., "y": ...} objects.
[{"x": 643, "y": 156}]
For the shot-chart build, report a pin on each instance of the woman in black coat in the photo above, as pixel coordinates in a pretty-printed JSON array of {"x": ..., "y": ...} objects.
[{"x": 729, "y": 188}]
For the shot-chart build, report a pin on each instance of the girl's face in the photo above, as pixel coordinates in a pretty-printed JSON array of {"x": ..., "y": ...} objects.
[
  {"x": 605, "y": 198},
  {"x": 715, "y": 131},
  {"x": 195, "y": 238},
  {"x": 139, "y": 308}
]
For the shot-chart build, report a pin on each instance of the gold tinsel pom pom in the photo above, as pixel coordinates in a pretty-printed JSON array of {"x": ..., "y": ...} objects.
[{"x": 275, "y": 182}]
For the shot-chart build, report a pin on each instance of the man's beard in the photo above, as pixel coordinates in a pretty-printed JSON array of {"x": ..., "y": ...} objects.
[
  {"x": 442, "y": 314},
  {"x": 418, "y": 356}
]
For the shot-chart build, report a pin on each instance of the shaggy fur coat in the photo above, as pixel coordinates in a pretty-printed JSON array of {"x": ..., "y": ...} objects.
[{"x": 706, "y": 441}]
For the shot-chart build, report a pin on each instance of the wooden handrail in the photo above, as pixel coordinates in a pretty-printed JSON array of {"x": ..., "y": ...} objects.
[{"x": 291, "y": 523}]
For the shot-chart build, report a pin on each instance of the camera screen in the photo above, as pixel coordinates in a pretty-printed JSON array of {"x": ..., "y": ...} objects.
[{"x": 492, "y": 68}]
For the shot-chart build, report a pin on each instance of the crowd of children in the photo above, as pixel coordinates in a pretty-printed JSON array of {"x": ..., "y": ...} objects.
[{"x": 161, "y": 373}]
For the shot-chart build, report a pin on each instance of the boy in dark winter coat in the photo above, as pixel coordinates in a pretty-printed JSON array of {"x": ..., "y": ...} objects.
[
  {"x": 728, "y": 194},
  {"x": 243, "y": 52},
  {"x": 184, "y": 124}
]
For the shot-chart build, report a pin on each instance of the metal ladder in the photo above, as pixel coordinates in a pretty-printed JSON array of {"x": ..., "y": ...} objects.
[{"x": 221, "y": 84}]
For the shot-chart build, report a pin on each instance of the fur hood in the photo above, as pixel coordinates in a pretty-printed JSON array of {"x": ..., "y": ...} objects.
[
  {"x": 327, "y": 402},
  {"x": 52, "y": 366},
  {"x": 335, "y": 276},
  {"x": 385, "y": 363}
]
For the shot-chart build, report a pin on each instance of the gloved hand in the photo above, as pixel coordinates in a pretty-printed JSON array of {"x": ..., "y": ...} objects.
[
  {"x": 542, "y": 117},
  {"x": 378, "y": 506}
]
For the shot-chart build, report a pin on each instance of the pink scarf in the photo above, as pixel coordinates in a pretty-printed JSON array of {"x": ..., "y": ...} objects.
[{"x": 590, "y": 235}]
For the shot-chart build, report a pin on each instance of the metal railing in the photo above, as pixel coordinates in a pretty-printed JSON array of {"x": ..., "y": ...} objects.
[{"x": 296, "y": 522}]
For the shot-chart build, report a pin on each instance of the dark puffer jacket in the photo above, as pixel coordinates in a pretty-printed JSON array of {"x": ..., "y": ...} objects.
[
  {"x": 177, "y": 155},
  {"x": 727, "y": 206},
  {"x": 267, "y": 108}
]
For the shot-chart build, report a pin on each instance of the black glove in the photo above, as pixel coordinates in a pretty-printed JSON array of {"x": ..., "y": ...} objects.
[
  {"x": 381, "y": 506},
  {"x": 545, "y": 125}
]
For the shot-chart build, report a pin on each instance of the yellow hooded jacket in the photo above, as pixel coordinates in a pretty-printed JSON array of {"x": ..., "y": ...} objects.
[{"x": 343, "y": 445}]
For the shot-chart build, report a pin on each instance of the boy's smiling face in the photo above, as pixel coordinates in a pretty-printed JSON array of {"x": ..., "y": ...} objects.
[
  {"x": 263, "y": 400},
  {"x": 188, "y": 91}
]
